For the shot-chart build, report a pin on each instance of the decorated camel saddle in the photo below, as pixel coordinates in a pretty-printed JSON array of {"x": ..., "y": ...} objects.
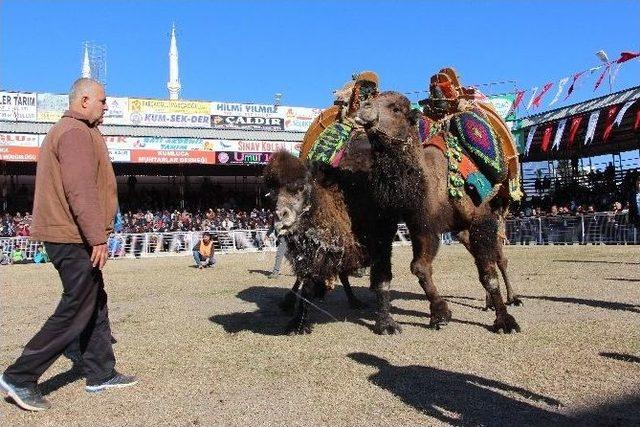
[
  {"x": 326, "y": 138},
  {"x": 460, "y": 121}
]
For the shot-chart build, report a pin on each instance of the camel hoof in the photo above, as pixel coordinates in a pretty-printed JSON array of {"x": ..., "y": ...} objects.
[
  {"x": 356, "y": 304},
  {"x": 506, "y": 324},
  {"x": 515, "y": 301},
  {"x": 387, "y": 327},
  {"x": 440, "y": 315},
  {"x": 298, "y": 328}
]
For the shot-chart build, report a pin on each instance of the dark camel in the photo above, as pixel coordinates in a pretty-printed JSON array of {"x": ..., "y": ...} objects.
[{"x": 412, "y": 181}]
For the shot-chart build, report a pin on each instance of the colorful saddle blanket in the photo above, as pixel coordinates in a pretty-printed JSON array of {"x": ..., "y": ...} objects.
[
  {"x": 463, "y": 174},
  {"x": 330, "y": 145},
  {"x": 475, "y": 134}
]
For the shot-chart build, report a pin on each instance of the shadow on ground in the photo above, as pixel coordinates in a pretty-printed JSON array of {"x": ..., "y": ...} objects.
[
  {"x": 622, "y": 279},
  {"x": 461, "y": 399},
  {"x": 609, "y": 305},
  {"x": 270, "y": 319},
  {"x": 263, "y": 272},
  {"x": 595, "y": 261},
  {"x": 622, "y": 357},
  {"x": 60, "y": 380}
]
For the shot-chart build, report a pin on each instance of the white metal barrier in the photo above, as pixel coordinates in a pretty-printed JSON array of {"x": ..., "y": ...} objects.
[{"x": 599, "y": 228}]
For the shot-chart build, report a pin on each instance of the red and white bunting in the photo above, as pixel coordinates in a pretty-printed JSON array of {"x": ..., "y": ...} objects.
[
  {"x": 532, "y": 132},
  {"x": 623, "y": 110},
  {"x": 559, "y": 132},
  {"x": 591, "y": 127},
  {"x": 608, "y": 127},
  {"x": 545, "y": 89},
  {"x": 561, "y": 84},
  {"x": 533, "y": 96}
]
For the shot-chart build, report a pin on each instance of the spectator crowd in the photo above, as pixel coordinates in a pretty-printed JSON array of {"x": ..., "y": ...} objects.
[{"x": 147, "y": 221}]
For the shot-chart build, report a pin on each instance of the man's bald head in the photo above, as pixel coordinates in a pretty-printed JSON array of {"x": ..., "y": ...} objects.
[{"x": 87, "y": 97}]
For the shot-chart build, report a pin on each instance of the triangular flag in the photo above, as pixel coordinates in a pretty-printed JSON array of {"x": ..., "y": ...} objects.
[
  {"x": 517, "y": 101},
  {"x": 559, "y": 132},
  {"x": 545, "y": 89},
  {"x": 561, "y": 84},
  {"x": 614, "y": 74},
  {"x": 532, "y": 132},
  {"x": 636, "y": 125},
  {"x": 575, "y": 124},
  {"x": 623, "y": 110},
  {"x": 546, "y": 138},
  {"x": 608, "y": 127},
  {"x": 576, "y": 76},
  {"x": 602, "y": 77},
  {"x": 626, "y": 56},
  {"x": 533, "y": 95},
  {"x": 591, "y": 127}
]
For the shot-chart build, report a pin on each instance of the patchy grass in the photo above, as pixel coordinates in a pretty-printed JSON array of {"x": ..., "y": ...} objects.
[{"x": 208, "y": 348}]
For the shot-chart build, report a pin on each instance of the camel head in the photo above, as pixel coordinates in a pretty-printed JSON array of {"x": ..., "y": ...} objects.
[
  {"x": 388, "y": 118},
  {"x": 288, "y": 184}
]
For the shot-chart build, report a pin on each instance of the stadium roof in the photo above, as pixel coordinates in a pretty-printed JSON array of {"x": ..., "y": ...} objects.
[{"x": 623, "y": 137}]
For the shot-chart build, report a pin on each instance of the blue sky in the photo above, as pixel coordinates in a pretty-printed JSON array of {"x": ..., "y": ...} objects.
[{"x": 246, "y": 51}]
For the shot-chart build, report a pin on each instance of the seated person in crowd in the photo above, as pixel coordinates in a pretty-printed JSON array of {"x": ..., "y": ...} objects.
[
  {"x": 40, "y": 256},
  {"x": 203, "y": 252}
]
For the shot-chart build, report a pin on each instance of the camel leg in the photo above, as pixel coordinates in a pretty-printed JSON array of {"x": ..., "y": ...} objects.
[
  {"x": 425, "y": 246},
  {"x": 380, "y": 280},
  {"x": 300, "y": 325},
  {"x": 463, "y": 237},
  {"x": 288, "y": 303},
  {"x": 484, "y": 247},
  {"x": 512, "y": 298},
  {"x": 354, "y": 302}
]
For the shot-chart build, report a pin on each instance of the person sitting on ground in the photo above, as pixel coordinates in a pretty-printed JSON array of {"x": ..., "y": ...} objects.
[
  {"x": 40, "y": 256},
  {"x": 204, "y": 252},
  {"x": 4, "y": 259},
  {"x": 18, "y": 256}
]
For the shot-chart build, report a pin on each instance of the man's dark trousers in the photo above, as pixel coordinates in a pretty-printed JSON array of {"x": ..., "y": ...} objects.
[{"x": 82, "y": 311}]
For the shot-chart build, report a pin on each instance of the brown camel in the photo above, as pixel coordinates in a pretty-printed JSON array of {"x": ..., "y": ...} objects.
[
  {"x": 412, "y": 181},
  {"x": 329, "y": 224}
]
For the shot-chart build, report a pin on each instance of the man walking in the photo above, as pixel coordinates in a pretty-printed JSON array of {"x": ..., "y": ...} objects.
[{"x": 74, "y": 206}]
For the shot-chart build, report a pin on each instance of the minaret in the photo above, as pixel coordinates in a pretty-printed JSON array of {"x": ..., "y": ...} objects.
[
  {"x": 173, "y": 84},
  {"x": 86, "y": 66}
]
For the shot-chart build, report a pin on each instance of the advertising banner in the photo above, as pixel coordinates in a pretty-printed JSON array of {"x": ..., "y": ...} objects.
[
  {"x": 158, "y": 143},
  {"x": 19, "y": 154},
  {"x": 245, "y": 110},
  {"x": 19, "y": 140},
  {"x": 118, "y": 112},
  {"x": 119, "y": 156},
  {"x": 251, "y": 146},
  {"x": 240, "y": 158},
  {"x": 298, "y": 119},
  {"x": 155, "y": 112},
  {"x": 16, "y": 106},
  {"x": 172, "y": 156},
  {"x": 124, "y": 142},
  {"x": 50, "y": 106},
  {"x": 242, "y": 122}
]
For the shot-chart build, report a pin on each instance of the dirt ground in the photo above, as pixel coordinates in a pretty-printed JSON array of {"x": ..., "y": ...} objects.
[{"x": 208, "y": 347}]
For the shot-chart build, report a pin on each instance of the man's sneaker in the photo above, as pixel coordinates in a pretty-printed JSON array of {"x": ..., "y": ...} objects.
[
  {"x": 28, "y": 398},
  {"x": 117, "y": 381}
]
